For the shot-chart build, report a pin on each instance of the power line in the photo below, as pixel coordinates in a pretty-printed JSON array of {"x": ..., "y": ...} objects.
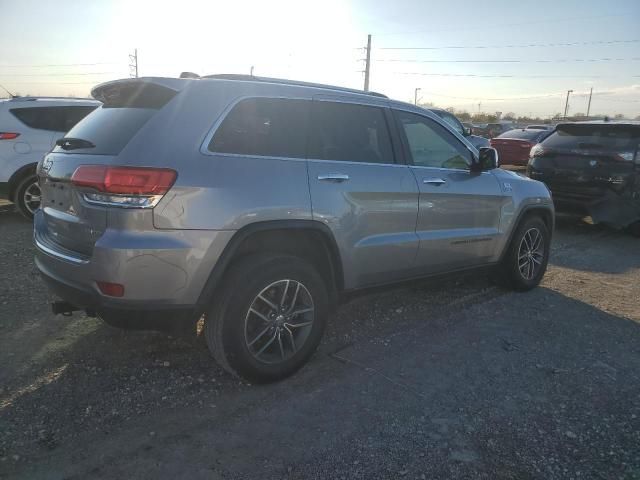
[
  {"x": 59, "y": 65},
  {"x": 56, "y": 74},
  {"x": 484, "y": 27},
  {"x": 513, "y": 61},
  {"x": 526, "y": 45},
  {"x": 475, "y": 75}
]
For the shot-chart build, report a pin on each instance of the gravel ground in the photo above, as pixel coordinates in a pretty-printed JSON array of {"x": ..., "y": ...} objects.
[{"x": 446, "y": 379}]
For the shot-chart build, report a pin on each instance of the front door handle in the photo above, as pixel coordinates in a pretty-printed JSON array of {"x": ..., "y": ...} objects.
[
  {"x": 434, "y": 181},
  {"x": 333, "y": 177}
]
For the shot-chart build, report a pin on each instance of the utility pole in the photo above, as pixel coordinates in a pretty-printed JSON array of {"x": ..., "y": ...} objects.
[
  {"x": 589, "y": 104},
  {"x": 367, "y": 67},
  {"x": 133, "y": 64},
  {"x": 566, "y": 104},
  {"x": 251, "y": 72},
  {"x": 415, "y": 96}
]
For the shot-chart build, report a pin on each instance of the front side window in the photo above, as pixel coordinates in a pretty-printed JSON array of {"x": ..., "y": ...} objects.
[
  {"x": 271, "y": 127},
  {"x": 349, "y": 132},
  {"x": 431, "y": 145}
]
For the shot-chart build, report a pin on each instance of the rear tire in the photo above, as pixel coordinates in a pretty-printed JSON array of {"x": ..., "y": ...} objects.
[
  {"x": 27, "y": 197},
  {"x": 525, "y": 262},
  {"x": 267, "y": 319}
]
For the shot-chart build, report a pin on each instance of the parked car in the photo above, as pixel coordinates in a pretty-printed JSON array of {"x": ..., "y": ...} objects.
[
  {"x": 539, "y": 127},
  {"x": 513, "y": 146},
  {"x": 29, "y": 127},
  {"x": 457, "y": 125},
  {"x": 495, "y": 129},
  {"x": 260, "y": 202},
  {"x": 593, "y": 168}
]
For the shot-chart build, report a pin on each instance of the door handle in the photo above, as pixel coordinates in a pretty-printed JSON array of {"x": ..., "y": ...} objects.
[
  {"x": 333, "y": 177},
  {"x": 434, "y": 181}
]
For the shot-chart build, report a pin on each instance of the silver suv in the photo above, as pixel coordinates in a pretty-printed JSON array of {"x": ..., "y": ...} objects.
[{"x": 257, "y": 203}]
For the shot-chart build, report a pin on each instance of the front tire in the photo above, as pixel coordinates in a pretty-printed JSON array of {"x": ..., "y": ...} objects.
[
  {"x": 525, "y": 262},
  {"x": 28, "y": 195},
  {"x": 268, "y": 318}
]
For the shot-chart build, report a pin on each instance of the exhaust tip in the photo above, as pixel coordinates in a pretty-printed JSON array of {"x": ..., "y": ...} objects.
[{"x": 63, "y": 308}]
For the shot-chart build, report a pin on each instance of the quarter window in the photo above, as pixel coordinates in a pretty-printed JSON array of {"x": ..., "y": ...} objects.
[
  {"x": 271, "y": 127},
  {"x": 431, "y": 145},
  {"x": 349, "y": 132}
]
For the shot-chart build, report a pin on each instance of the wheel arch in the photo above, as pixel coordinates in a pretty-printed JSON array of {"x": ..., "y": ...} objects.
[
  {"x": 308, "y": 239},
  {"x": 18, "y": 176},
  {"x": 543, "y": 212}
]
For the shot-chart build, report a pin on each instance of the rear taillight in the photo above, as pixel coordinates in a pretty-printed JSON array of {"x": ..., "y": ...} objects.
[
  {"x": 526, "y": 145},
  {"x": 132, "y": 187},
  {"x": 8, "y": 135}
]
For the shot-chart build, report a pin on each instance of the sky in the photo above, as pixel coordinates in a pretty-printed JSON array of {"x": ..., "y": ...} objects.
[{"x": 509, "y": 56}]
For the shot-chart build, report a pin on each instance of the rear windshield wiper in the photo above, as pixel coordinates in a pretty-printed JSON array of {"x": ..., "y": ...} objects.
[{"x": 69, "y": 143}]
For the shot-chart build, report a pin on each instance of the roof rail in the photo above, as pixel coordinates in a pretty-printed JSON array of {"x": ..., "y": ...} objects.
[{"x": 251, "y": 78}]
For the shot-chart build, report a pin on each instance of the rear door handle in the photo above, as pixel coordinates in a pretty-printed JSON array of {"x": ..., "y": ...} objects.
[
  {"x": 333, "y": 177},
  {"x": 434, "y": 181}
]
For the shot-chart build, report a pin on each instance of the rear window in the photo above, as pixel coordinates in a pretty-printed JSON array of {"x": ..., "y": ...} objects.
[
  {"x": 126, "y": 108},
  {"x": 533, "y": 135},
  {"x": 348, "y": 132},
  {"x": 620, "y": 139},
  {"x": 270, "y": 127},
  {"x": 54, "y": 119}
]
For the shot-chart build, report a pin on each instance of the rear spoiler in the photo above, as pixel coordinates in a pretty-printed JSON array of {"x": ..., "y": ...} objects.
[{"x": 146, "y": 92}]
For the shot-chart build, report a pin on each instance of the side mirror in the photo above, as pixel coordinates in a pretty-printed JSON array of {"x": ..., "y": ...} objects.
[{"x": 487, "y": 160}]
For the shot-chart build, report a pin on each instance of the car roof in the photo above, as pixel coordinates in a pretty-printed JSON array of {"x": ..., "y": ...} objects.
[{"x": 634, "y": 123}]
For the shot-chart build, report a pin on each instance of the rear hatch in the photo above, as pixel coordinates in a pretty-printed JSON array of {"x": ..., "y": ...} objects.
[
  {"x": 68, "y": 222},
  {"x": 584, "y": 161}
]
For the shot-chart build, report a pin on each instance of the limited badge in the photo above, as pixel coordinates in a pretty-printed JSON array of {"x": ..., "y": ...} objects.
[{"x": 506, "y": 187}]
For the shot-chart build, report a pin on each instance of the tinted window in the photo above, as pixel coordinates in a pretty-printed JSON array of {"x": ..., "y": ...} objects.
[
  {"x": 431, "y": 145},
  {"x": 619, "y": 139},
  {"x": 272, "y": 127},
  {"x": 453, "y": 121},
  {"x": 55, "y": 119},
  {"x": 533, "y": 135},
  {"x": 343, "y": 131},
  {"x": 109, "y": 129}
]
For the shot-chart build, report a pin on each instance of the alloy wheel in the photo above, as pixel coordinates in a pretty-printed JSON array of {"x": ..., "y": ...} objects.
[
  {"x": 531, "y": 253},
  {"x": 279, "y": 321},
  {"x": 31, "y": 197}
]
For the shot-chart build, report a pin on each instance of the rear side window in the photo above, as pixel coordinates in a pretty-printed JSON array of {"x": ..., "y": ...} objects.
[
  {"x": 349, "y": 132},
  {"x": 270, "y": 127},
  {"x": 55, "y": 119},
  {"x": 619, "y": 139}
]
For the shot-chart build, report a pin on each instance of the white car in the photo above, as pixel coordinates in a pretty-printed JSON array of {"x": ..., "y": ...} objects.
[{"x": 29, "y": 128}]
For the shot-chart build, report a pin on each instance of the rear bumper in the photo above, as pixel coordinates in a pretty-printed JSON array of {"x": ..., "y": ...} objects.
[{"x": 163, "y": 272}]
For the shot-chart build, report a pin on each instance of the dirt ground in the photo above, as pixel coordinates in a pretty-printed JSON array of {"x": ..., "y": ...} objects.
[{"x": 446, "y": 379}]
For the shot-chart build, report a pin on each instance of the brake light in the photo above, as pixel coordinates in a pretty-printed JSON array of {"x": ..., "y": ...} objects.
[
  {"x": 526, "y": 145},
  {"x": 8, "y": 135},
  {"x": 140, "y": 187}
]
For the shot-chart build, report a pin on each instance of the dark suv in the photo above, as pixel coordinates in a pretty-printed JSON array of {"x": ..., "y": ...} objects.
[{"x": 592, "y": 168}]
